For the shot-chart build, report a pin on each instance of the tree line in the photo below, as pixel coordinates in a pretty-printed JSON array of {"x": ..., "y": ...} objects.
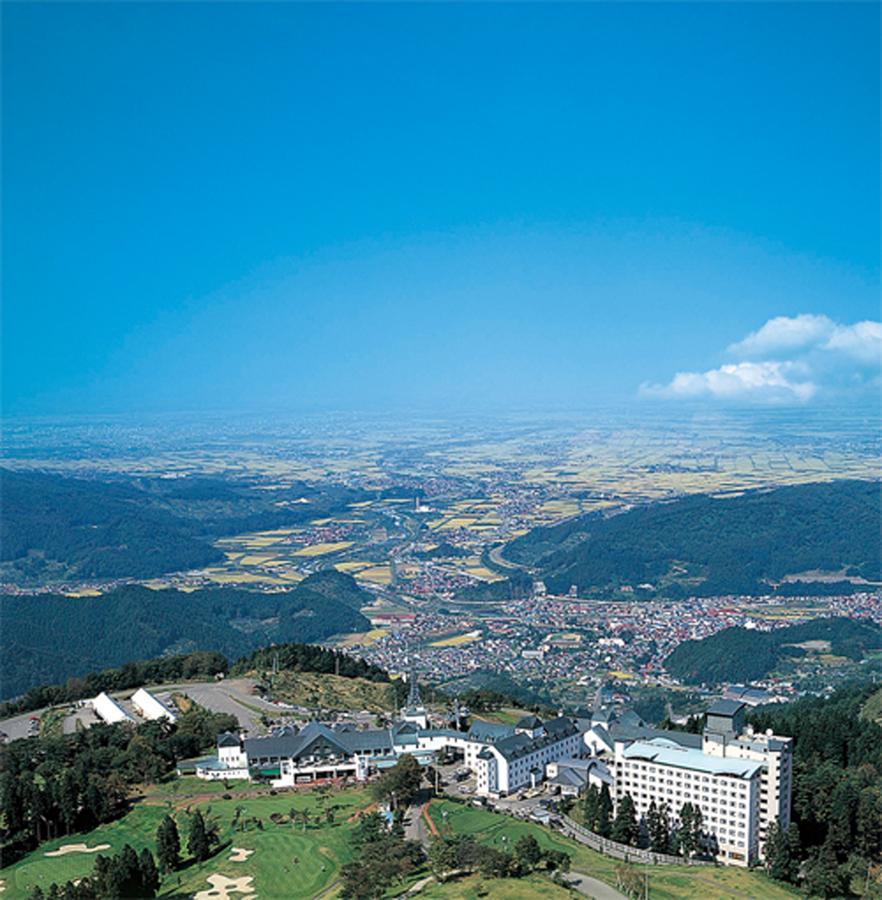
[
  {"x": 835, "y": 839},
  {"x": 661, "y": 830},
  {"x": 53, "y": 786}
]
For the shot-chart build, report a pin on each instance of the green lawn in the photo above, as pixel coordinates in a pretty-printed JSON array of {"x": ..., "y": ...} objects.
[
  {"x": 533, "y": 887},
  {"x": 288, "y": 861},
  {"x": 665, "y": 881}
]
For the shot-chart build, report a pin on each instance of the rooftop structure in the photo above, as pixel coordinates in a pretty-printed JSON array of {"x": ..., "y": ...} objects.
[
  {"x": 151, "y": 707},
  {"x": 109, "y": 710}
]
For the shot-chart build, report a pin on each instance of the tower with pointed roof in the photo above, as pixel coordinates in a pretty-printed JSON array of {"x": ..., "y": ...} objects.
[{"x": 414, "y": 711}]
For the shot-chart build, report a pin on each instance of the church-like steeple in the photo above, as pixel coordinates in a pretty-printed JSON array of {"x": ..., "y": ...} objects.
[
  {"x": 413, "y": 695},
  {"x": 414, "y": 711}
]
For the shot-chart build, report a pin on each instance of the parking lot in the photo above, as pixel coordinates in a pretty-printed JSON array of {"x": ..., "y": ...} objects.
[{"x": 457, "y": 782}]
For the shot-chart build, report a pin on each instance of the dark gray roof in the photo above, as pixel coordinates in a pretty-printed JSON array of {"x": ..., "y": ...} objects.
[
  {"x": 621, "y": 732},
  {"x": 530, "y": 722},
  {"x": 726, "y": 708},
  {"x": 518, "y": 745},
  {"x": 570, "y": 778},
  {"x": 227, "y": 739},
  {"x": 562, "y": 725},
  {"x": 287, "y": 743},
  {"x": 629, "y": 717}
]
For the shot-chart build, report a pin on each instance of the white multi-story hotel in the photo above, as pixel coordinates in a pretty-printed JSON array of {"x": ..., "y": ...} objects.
[{"x": 740, "y": 781}]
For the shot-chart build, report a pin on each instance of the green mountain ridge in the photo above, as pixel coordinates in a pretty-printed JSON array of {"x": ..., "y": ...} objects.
[
  {"x": 705, "y": 545},
  {"x": 49, "y": 638},
  {"x": 742, "y": 654}
]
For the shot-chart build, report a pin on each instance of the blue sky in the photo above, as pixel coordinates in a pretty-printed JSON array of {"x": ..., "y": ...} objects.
[{"x": 366, "y": 205}]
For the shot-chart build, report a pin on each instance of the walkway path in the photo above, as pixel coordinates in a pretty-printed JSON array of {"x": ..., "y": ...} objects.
[{"x": 592, "y": 887}]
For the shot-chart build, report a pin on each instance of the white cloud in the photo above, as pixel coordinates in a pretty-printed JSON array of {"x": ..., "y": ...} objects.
[
  {"x": 861, "y": 341},
  {"x": 783, "y": 335},
  {"x": 767, "y": 382},
  {"x": 790, "y": 359}
]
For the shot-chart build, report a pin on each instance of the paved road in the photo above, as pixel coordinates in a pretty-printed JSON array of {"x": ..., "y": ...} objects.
[
  {"x": 591, "y": 887},
  {"x": 232, "y": 696}
]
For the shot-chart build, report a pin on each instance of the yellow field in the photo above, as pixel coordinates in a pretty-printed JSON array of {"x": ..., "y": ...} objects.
[
  {"x": 254, "y": 560},
  {"x": 324, "y": 549},
  {"x": 365, "y": 638},
  {"x": 352, "y": 565},
  {"x": 484, "y": 573},
  {"x": 622, "y": 676},
  {"x": 84, "y": 592},
  {"x": 459, "y": 522},
  {"x": 376, "y": 574},
  {"x": 458, "y": 640}
]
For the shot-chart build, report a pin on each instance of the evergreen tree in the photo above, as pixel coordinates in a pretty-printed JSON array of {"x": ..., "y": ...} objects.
[
  {"x": 823, "y": 875},
  {"x": 658, "y": 826},
  {"x": 149, "y": 873},
  {"x": 400, "y": 784},
  {"x": 168, "y": 845},
  {"x": 197, "y": 841},
  {"x": 794, "y": 852},
  {"x": 690, "y": 830},
  {"x": 624, "y": 827},
  {"x": 604, "y": 812},
  {"x": 128, "y": 873},
  {"x": 590, "y": 804}
]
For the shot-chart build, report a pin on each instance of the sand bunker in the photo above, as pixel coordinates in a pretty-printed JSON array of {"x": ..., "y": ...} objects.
[
  {"x": 222, "y": 887},
  {"x": 2, "y": 885},
  {"x": 77, "y": 848},
  {"x": 239, "y": 854}
]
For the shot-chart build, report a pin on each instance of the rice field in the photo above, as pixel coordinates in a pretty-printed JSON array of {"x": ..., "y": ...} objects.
[
  {"x": 458, "y": 640},
  {"x": 323, "y": 549}
]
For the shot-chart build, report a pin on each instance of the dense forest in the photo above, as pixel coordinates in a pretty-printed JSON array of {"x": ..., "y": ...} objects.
[
  {"x": 757, "y": 538},
  {"x": 52, "y": 786},
  {"x": 308, "y": 658},
  {"x": 67, "y": 528},
  {"x": 50, "y": 638},
  {"x": 836, "y": 840},
  {"x": 515, "y": 588},
  {"x": 742, "y": 654},
  {"x": 56, "y": 528}
]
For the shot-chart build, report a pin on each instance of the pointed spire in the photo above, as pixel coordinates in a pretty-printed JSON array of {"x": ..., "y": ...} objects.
[
  {"x": 598, "y": 699},
  {"x": 413, "y": 695}
]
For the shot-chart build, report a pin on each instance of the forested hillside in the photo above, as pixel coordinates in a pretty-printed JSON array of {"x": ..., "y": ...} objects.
[
  {"x": 836, "y": 839},
  {"x": 67, "y": 528},
  {"x": 49, "y": 638},
  {"x": 742, "y": 654},
  {"x": 704, "y": 545},
  {"x": 56, "y": 529}
]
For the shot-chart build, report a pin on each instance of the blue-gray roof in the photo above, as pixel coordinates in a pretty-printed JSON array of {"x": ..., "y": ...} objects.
[
  {"x": 488, "y": 732},
  {"x": 667, "y": 753}
]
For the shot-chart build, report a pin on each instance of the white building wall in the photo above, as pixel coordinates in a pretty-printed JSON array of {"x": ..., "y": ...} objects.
[
  {"x": 729, "y": 805},
  {"x": 108, "y": 710},
  {"x": 150, "y": 707}
]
